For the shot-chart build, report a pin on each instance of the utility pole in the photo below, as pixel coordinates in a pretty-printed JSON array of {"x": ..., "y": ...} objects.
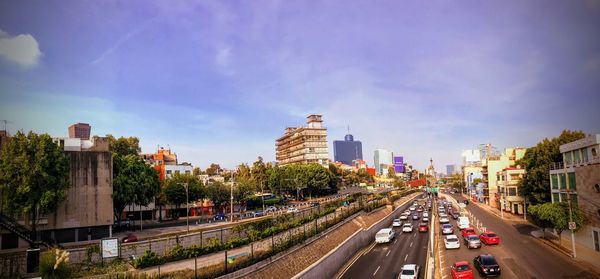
[
  {"x": 231, "y": 200},
  {"x": 502, "y": 202},
  {"x": 570, "y": 221},
  {"x": 187, "y": 207}
]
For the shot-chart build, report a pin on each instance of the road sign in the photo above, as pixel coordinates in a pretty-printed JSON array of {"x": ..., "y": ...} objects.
[{"x": 572, "y": 226}]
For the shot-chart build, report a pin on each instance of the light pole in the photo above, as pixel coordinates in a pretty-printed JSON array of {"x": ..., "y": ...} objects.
[
  {"x": 570, "y": 221},
  {"x": 502, "y": 202},
  {"x": 262, "y": 195},
  {"x": 231, "y": 200},
  {"x": 187, "y": 207}
]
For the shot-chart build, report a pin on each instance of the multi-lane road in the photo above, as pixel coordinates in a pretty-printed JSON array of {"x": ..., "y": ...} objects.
[
  {"x": 519, "y": 254},
  {"x": 386, "y": 260}
]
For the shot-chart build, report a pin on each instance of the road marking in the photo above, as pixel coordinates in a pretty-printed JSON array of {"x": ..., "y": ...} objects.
[
  {"x": 395, "y": 240},
  {"x": 388, "y": 253},
  {"x": 376, "y": 270},
  {"x": 405, "y": 257},
  {"x": 415, "y": 235},
  {"x": 411, "y": 244}
]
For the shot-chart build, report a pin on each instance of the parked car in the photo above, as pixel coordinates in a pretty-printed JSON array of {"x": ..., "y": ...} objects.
[
  {"x": 412, "y": 208},
  {"x": 396, "y": 223},
  {"x": 384, "y": 235},
  {"x": 292, "y": 210},
  {"x": 313, "y": 204},
  {"x": 423, "y": 227},
  {"x": 486, "y": 265},
  {"x": 258, "y": 214},
  {"x": 461, "y": 270},
  {"x": 219, "y": 216},
  {"x": 472, "y": 241},
  {"x": 447, "y": 229},
  {"x": 409, "y": 271},
  {"x": 451, "y": 242},
  {"x": 489, "y": 238},
  {"x": 468, "y": 231},
  {"x": 408, "y": 227},
  {"x": 129, "y": 238}
]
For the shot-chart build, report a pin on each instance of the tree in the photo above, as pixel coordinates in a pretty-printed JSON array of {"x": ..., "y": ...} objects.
[
  {"x": 535, "y": 185},
  {"x": 213, "y": 169},
  {"x": 134, "y": 182},
  {"x": 197, "y": 171},
  {"x": 259, "y": 173},
  {"x": 218, "y": 193},
  {"x": 476, "y": 181},
  {"x": 391, "y": 172},
  {"x": 124, "y": 146},
  {"x": 556, "y": 216},
  {"x": 34, "y": 176},
  {"x": 175, "y": 189}
]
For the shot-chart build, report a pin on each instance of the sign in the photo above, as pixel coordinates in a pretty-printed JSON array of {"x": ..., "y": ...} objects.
[
  {"x": 572, "y": 226},
  {"x": 110, "y": 248}
]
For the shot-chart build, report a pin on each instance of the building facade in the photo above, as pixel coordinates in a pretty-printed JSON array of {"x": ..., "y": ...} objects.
[
  {"x": 303, "y": 145},
  {"x": 452, "y": 169},
  {"x": 508, "y": 186},
  {"x": 399, "y": 164},
  {"x": 576, "y": 180},
  {"x": 490, "y": 168},
  {"x": 347, "y": 150},
  {"x": 80, "y": 131},
  {"x": 382, "y": 158}
]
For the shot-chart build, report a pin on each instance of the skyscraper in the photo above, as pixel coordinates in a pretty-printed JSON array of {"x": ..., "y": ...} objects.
[
  {"x": 347, "y": 150},
  {"x": 383, "y": 158}
]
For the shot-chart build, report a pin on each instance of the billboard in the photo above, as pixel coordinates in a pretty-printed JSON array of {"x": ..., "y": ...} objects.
[{"x": 398, "y": 164}]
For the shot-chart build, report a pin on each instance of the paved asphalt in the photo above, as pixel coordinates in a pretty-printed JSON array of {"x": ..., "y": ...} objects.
[
  {"x": 386, "y": 260},
  {"x": 519, "y": 254}
]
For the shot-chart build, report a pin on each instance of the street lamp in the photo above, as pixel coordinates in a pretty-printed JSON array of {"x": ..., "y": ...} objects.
[
  {"x": 187, "y": 206},
  {"x": 231, "y": 202},
  {"x": 571, "y": 221}
]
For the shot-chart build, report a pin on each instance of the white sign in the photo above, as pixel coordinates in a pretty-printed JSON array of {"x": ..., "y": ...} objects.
[
  {"x": 572, "y": 226},
  {"x": 110, "y": 248}
]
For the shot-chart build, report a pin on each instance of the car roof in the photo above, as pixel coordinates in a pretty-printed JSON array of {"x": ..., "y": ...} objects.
[
  {"x": 451, "y": 236},
  {"x": 409, "y": 266},
  {"x": 385, "y": 230},
  {"x": 488, "y": 232},
  {"x": 461, "y": 263}
]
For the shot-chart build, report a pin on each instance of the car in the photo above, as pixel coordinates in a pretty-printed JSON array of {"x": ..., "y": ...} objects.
[
  {"x": 409, "y": 271},
  {"x": 412, "y": 208},
  {"x": 461, "y": 270},
  {"x": 258, "y": 214},
  {"x": 486, "y": 265},
  {"x": 447, "y": 229},
  {"x": 415, "y": 217},
  {"x": 403, "y": 217},
  {"x": 455, "y": 215},
  {"x": 271, "y": 209},
  {"x": 384, "y": 235},
  {"x": 314, "y": 204},
  {"x": 444, "y": 220},
  {"x": 489, "y": 238},
  {"x": 443, "y": 215},
  {"x": 408, "y": 227},
  {"x": 396, "y": 223},
  {"x": 425, "y": 214},
  {"x": 420, "y": 209},
  {"x": 425, "y": 219},
  {"x": 463, "y": 222},
  {"x": 129, "y": 238},
  {"x": 466, "y": 202},
  {"x": 468, "y": 231},
  {"x": 292, "y": 210},
  {"x": 423, "y": 227},
  {"x": 472, "y": 241},
  {"x": 219, "y": 216},
  {"x": 451, "y": 242}
]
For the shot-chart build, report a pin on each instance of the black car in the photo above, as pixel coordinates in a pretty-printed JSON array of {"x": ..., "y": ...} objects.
[
  {"x": 466, "y": 202},
  {"x": 454, "y": 215},
  {"x": 486, "y": 265}
]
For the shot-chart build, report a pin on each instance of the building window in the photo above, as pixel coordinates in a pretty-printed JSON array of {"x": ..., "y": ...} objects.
[
  {"x": 576, "y": 159},
  {"x": 574, "y": 200},
  {"x": 187, "y": 172},
  {"x": 563, "y": 181},
  {"x": 584, "y": 155},
  {"x": 554, "y": 181},
  {"x": 555, "y": 197},
  {"x": 597, "y": 188},
  {"x": 176, "y": 172},
  {"x": 567, "y": 158},
  {"x": 572, "y": 182},
  {"x": 512, "y": 192},
  {"x": 168, "y": 172},
  {"x": 596, "y": 240}
]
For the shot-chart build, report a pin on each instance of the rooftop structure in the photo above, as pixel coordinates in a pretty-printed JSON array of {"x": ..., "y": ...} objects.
[{"x": 303, "y": 145}]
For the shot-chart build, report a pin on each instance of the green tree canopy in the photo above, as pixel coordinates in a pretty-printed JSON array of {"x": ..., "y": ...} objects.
[
  {"x": 175, "y": 189},
  {"x": 34, "y": 176},
  {"x": 259, "y": 173},
  {"x": 535, "y": 185},
  {"x": 391, "y": 172},
  {"x": 134, "y": 182},
  {"x": 218, "y": 193},
  {"x": 556, "y": 216},
  {"x": 214, "y": 169},
  {"x": 124, "y": 145}
]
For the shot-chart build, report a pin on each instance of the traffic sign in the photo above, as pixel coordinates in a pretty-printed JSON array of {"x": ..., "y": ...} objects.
[{"x": 572, "y": 226}]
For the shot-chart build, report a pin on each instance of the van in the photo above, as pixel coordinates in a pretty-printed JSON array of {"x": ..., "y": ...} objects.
[
  {"x": 384, "y": 235},
  {"x": 463, "y": 222}
]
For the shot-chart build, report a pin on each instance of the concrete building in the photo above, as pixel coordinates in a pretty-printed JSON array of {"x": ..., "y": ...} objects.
[
  {"x": 490, "y": 168},
  {"x": 171, "y": 170},
  {"x": 87, "y": 212},
  {"x": 576, "y": 180},
  {"x": 382, "y": 158},
  {"x": 347, "y": 150},
  {"x": 80, "y": 131},
  {"x": 508, "y": 186},
  {"x": 303, "y": 145}
]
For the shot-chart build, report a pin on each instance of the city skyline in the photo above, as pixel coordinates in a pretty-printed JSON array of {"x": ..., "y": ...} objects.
[{"x": 219, "y": 82}]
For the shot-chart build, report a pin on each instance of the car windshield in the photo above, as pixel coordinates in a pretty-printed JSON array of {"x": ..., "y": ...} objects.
[
  {"x": 472, "y": 237},
  {"x": 491, "y": 235},
  {"x": 407, "y": 225},
  {"x": 488, "y": 261},
  {"x": 452, "y": 239},
  {"x": 408, "y": 272},
  {"x": 461, "y": 268}
]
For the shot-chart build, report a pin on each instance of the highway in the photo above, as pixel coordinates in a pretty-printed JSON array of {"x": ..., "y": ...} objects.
[
  {"x": 519, "y": 254},
  {"x": 386, "y": 260}
]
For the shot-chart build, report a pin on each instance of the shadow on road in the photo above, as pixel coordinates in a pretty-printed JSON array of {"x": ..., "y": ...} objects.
[{"x": 525, "y": 229}]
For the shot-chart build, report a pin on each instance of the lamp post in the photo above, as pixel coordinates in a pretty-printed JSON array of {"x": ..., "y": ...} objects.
[
  {"x": 502, "y": 202},
  {"x": 570, "y": 221},
  {"x": 231, "y": 197},
  {"x": 187, "y": 207}
]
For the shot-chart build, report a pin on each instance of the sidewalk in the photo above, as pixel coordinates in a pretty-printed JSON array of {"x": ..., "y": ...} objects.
[{"x": 507, "y": 215}]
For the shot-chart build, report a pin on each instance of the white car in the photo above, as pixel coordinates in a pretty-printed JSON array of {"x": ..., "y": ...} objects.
[
  {"x": 292, "y": 210},
  {"x": 444, "y": 220},
  {"x": 408, "y": 227},
  {"x": 403, "y": 217},
  {"x": 451, "y": 242},
  {"x": 409, "y": 271},
  {"x": 385, "y": 235},
  {"x": 412, "y": 208},
  {"x": 425, "y": 214},
  {"x": 425, "y": 219},
  {"x": 396, "y": 223}
]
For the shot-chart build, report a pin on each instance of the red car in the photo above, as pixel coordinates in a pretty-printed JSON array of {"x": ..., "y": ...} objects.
[
  {"x": 423, "y": 227},
  {"x": 462, "y": 270},
  {"x": 489, "y": 238},
  {"x": 129, "y": 238},
  {"x": 468, "y": 231}
]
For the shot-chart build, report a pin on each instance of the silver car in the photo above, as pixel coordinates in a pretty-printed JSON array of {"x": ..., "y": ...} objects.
[
  {"x": 472, "y": 241},
  {"x": 447, "y": 229}
]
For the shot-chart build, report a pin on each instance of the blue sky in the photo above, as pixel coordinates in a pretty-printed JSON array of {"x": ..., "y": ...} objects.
[{"x": 218, "y": 81}]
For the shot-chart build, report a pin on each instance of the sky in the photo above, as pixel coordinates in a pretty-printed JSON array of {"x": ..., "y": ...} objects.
[{"x": 218, "y": 81}]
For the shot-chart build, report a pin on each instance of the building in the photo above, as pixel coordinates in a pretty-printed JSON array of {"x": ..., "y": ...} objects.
[
  {"x": 171, "y": 170},
  {"x": 508, "y": 186},
  {"x": 399, "y": 164},
  {"x": 576, "y": 180},
  {"x": 382, "y": 158},
  {"x": 160, "y": 160},
  {"x": 452, "y": 169},
  {"x": 80, "y": 131},
  {"x": 87, "y": 212},
  {"x": 490, "y": 168},
  {"x": 471, "y": 157},
  {"x": 347, "y": 150},
  {"x": 303, "y": 145}
]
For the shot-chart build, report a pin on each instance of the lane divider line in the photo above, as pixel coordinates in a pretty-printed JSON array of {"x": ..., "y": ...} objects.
[{"x": 378, "y": 267}]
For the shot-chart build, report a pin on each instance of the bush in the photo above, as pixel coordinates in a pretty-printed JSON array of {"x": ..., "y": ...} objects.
[
  {"x": 149, "y": 258},
  {"x": 54, "y": 264},
  {"x": 235, "y": 242},
  {"x": 214, "y": 245}
]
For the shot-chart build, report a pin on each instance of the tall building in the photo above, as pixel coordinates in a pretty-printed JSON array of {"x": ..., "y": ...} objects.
[
  {"x": 303, "y": 145},
  {"x": 576, "y": 180},
  {"x": 382, "y": 158},
  {"x": 490, "y": 168},
  {"x": 80, "y": 131},
  {"x": 347, "y": 150},
  {"x": 451, "y": 169},
  {"x": 398, "y": 164}
]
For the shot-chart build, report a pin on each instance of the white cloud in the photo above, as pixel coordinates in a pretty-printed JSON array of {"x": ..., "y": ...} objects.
[{"x": 22, "y": 49}]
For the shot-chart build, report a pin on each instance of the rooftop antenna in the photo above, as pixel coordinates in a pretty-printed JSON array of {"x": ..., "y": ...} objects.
[{"x": 348, "y": 129}]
